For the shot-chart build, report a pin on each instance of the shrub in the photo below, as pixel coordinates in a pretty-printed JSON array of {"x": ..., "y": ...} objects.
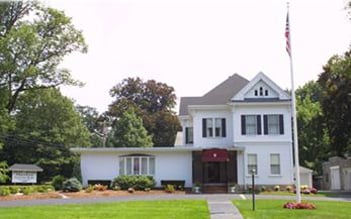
[
  {"x": 28, "y": 190},
  {"x": 89, "y": 189},
  {"x": 276, "y": 188},
  {"x": 169, "y": 188},
  {"x": 71, "y": 185},
  {"x": 263, "y": 188},
  {"x": 14, "y": 189},
  {"x": 57, "y": 182},
  {"x": 303, "y": 187},
  {"x": 4, "y": 191},
  {"x": 44, "y": 188},
  {"x": 313, "y": 190},
  {"x": 136, "y": 182},
  {"x": 288, "y": 188},
  {"x": 99, "y": 187}
]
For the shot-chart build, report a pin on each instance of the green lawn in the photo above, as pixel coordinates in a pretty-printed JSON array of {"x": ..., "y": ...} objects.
[
  {"x": 274, "y": 209},
  {"x": 129, "y": 210}
]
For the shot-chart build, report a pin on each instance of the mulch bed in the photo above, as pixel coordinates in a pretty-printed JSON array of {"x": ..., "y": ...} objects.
[{"x": 82, "y": 194}]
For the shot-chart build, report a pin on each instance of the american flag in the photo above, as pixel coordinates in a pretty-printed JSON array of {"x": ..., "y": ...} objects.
[{"x": 287, "y": 34}]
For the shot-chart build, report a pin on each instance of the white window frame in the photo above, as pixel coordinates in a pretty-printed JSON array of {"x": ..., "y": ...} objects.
[
  {"x": 127, "y": 165},
  {"x": 273, "y": 126},
  {"x": 251, "y": 165},
  {"x": 274, "y": 163},
  {"x": 211, "y": 125},
  {"x": 249, "y": 126}
]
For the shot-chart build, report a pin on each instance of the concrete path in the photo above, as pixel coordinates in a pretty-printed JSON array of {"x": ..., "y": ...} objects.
[{"x": 223, "y": 210}]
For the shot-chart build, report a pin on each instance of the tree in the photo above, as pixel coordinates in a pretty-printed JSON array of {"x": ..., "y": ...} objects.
[
  {"x": 3, "y": 172},
  {"x": 336, "y": 102},
  {"x": 129, "y": 131},
  {"x": 153, "y": 101},
  {"x": 313, "y": 134},
  {"x": 47, "y": 125},
  {"x": 33, "y": 42}
]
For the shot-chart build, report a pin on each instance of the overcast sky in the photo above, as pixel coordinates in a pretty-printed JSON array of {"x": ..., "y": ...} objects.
[{"x": 193, "y": 45}]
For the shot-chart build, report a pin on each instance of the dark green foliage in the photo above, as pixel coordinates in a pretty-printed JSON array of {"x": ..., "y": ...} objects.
[
  {"x": 336, "y": 102},
  {"x": 153, "y": 101},
  {"x": 129, "y": 131},
  {"x": 76, "y": 170},
  {"x": 312, "y": 130},
  {"x": 3, "y": 172},
  {"x": 137, "y": 182},
  {"x": 71, "y": 185},
  {"x": 57, "y": 182},
  {"x": 4, "y": 191}
]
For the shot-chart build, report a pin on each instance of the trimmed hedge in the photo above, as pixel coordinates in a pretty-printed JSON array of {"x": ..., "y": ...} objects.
[
  {"x": 57, "y": 182},
  {"x": 136, "y": 182},
  {"x": 25, "y": 189}
]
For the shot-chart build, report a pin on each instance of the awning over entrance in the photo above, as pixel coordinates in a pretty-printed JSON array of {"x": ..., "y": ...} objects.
[{"x": 215, "y": 155}]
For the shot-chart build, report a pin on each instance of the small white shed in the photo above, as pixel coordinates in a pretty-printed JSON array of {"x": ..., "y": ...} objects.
[
  {"x": 24, "y": 173},
  {"x": 305, "y": 176}
]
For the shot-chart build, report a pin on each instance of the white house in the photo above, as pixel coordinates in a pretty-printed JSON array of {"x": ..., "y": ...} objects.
[{"x": 238, "y": 126}]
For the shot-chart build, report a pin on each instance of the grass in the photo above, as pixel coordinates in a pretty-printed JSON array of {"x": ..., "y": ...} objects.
[
  {"x": 274, "y": 209},
  {"x": 174, "y": 209}
]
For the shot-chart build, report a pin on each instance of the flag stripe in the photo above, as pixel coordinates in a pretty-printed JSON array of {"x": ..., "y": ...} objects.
[{"x": 287, "y": 34}]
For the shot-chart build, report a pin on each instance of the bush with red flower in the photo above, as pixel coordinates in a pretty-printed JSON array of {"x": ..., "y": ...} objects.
[{"x": 302, "y": 205}]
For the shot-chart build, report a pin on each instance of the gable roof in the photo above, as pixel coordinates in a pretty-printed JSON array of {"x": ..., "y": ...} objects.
[
  {"x": 239, "y": 96},
  {"x": 25, "y": 167},
  {"x": 219, "y": 95}
]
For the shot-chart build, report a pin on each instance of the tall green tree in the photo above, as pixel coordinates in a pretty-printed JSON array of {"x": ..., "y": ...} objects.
[
  {"x": 33, "y": 41},
  {"x": 47, "y": 125},
  {"x": 129, "y": 131},
  {"x": 336, "y": 102},
  {"x": 153, "y": 101},
  {"x": 313, "y": 133}
]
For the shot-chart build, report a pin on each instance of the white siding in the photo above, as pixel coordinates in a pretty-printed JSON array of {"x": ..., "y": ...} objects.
[
  {"x": 99, "y": 166},
  {"x": 263, "y": 151},
  {"x": 168, "y": 166},
  {"x": 261, "y": 110},
  {"x": 209, "y": 142}
]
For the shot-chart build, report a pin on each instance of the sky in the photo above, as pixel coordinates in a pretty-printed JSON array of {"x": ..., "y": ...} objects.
[{"x": 193, "y": 45}]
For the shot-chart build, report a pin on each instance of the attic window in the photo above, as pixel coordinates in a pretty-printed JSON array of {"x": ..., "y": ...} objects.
[
  {"x": 261, "y": 91},
  {"x": 266, "y": 92},
  {"x": 256, "y": 93}
]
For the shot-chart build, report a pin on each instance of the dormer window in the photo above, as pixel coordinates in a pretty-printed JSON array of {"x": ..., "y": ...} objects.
[{"x": 261, "y": 91}]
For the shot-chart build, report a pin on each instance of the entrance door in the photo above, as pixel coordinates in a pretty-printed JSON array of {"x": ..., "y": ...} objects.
[
  {"x": 211, "y": 172},
  {"x": 335, "y": 178},
  {"x": 215, "y": 172}
]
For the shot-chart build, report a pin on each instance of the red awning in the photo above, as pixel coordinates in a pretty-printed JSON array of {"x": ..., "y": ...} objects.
[{"x": 215, "y": 155}]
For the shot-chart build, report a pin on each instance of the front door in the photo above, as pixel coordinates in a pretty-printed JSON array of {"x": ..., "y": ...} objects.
[{"x": 215, "y": 172}]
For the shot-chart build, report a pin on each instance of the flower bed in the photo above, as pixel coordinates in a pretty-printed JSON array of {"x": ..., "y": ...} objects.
[{"x": 302, "y": 205}]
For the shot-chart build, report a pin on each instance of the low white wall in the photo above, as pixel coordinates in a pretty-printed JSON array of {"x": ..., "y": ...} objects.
[{"x": 168, "y": 166}]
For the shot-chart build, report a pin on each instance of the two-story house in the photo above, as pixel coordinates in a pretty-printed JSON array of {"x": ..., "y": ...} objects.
[{"x": 236, "y": 127}]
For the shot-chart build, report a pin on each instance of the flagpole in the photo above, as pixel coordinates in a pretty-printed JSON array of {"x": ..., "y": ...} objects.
[{"x": 293, "y": 107}]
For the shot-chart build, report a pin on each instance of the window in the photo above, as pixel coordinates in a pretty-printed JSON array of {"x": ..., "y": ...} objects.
[
  {"x": 137, "y": 165},
  {"x": 189, "y": 135},
  {"x": 213, "y": 127},
  {"x": 275, "y": 164},
  {"x": 273, "y": 124},
  {"x": 250, "y": 124},
  {"x": 251, "y": 163},
  {"x": 209, "y": 128}
]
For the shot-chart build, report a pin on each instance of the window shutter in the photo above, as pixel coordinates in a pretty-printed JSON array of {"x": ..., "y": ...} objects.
[
  {"x": 204, "y": 128},
  {"x": 243, "y": 125},
  {"x": 224, "y": 134},
  {"x": 186, "y": 135},
  {"x": 259, "y": 128},
  {"x": 281, "y": 124},
  {"x": 265, "y": 124}
]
